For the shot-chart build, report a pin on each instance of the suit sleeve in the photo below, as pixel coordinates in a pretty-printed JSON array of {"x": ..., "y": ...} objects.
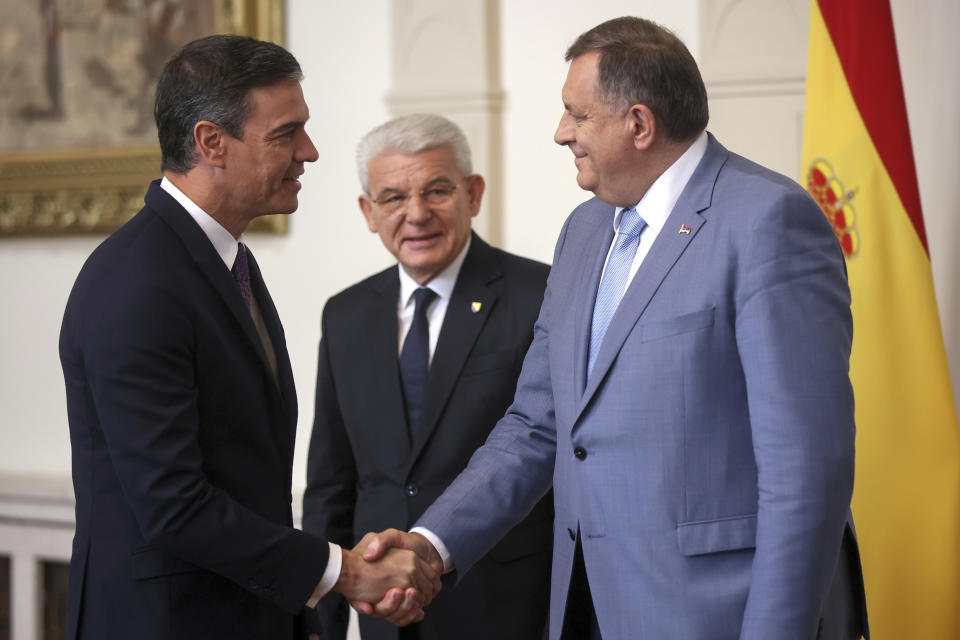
[
  {"x": 794, "y": 332},
  {"x": 513, "y": 469},
  {"x": 139, "y": 358},
  {"x": 331, "y": 493}
]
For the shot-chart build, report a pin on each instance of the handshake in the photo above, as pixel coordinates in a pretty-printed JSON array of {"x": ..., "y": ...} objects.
[{"x": 391, "y": 575}]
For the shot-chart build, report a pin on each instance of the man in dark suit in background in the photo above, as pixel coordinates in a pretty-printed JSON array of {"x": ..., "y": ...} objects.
[
  {"x": 180, "y": 395},
  {"x": 388, "y": 438}
]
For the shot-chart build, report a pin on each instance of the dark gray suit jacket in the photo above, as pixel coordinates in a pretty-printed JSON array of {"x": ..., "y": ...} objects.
[{"x": 364, "y": 474}]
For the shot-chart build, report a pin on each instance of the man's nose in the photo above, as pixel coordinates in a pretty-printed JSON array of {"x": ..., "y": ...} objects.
[
  {"x": 564, "y": 133},
  {"x": 306, "y": 152},
  {"x": 418, "y": 212}
]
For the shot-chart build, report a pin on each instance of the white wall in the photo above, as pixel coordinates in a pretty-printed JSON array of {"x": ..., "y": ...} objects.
[{"x": 343, "y": 49}]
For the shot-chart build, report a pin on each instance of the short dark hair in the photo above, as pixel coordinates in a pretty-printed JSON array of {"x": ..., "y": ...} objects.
[
  {"x": 642, "y": 62},
  {"x": 210, "y": 79}
]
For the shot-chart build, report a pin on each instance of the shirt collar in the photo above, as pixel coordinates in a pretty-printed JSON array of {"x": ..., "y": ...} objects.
[
  {"x": 657, "y": 203},
  {"x": 221, "y": 239},
  {"x": 442, "y": 284}
]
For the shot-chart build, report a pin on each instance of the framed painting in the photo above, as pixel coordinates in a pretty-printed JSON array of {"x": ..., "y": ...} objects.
[{"x": 78, "y": 144}]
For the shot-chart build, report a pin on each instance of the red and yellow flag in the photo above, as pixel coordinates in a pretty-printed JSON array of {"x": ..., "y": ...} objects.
[{"x": 858, "y": 164}]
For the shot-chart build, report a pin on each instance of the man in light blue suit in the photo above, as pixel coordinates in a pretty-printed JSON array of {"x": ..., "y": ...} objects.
[{"x": 686, "y": 393}]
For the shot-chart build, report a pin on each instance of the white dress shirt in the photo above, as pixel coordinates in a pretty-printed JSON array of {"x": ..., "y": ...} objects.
[
  {"x": 657, "y": 203},
  {"x": 442, "y": 285},
  {"x": 221, "y": 239}
]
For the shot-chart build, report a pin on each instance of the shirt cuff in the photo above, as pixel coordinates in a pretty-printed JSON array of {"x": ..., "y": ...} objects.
[
  {"x": 438, "y": 545},
  {"x": 330, "y": 575}
]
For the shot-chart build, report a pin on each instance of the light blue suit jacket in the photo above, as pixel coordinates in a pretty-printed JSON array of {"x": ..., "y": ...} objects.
[{"x": 717, "y": 424}]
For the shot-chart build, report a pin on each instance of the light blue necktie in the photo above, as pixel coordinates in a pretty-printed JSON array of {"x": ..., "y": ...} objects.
[{"x": 614, "y": 281}]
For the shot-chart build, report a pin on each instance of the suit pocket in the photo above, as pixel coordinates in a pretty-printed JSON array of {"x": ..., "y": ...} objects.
[
  {"x": 681, "y": 324},
  {"x": 713, "y": 536},
  {"x": 153, "y": 563}
]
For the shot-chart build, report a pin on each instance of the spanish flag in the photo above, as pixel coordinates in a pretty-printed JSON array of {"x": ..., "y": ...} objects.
[{"x": 858, "y": 164}]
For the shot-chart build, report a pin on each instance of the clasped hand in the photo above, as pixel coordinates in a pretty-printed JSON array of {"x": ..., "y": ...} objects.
[{"x": 391, "y": 575}]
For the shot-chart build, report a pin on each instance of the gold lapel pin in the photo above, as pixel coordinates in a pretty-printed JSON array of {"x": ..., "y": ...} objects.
[{"x": 476, "y": 306}]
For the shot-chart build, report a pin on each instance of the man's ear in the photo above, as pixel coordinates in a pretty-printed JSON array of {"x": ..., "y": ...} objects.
[
  {"x": 366, "y": 206},
  {"x": 643, "y": 126},
  {"x": 210, "y": 142},
  {"x": 475, "y": 185}
]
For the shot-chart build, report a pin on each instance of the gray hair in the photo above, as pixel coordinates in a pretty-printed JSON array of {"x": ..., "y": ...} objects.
[{"x": 412, "y": 134}]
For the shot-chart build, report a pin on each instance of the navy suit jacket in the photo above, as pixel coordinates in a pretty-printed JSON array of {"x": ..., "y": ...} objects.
[
  {"x": 182, "y": 443},
  {"x": 364, "y": 473},
  {"x": 707, "y": 459}
]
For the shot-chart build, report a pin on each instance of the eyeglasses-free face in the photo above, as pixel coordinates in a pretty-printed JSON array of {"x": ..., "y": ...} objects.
[{"x": 421, "y": 207}]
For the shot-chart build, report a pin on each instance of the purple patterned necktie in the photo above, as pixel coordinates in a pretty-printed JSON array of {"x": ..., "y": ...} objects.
[{"x": 241, "y": 273}]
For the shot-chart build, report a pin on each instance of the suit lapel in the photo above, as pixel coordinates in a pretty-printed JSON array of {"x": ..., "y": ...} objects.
[
  {"x": 210, "y": 264},
  {"x": 461, "y": 326},
  {"x": 380, "y": 358},
  {"x": 666, "y": 250},
  {"x": 207, "y": 260}
]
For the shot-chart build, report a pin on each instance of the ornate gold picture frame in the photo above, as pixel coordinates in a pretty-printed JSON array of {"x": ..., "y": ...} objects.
[{"x": 84, "y": 189}]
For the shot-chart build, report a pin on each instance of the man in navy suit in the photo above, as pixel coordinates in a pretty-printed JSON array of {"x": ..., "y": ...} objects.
[
  {"x": 686, "y": 393},
  {"x": 180, "y": 395},
  {"x": 372, "y": 464}
]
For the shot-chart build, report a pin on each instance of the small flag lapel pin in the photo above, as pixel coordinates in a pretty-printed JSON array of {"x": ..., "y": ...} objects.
[
  {"x": 684, "y": 230},
  {"x": 476, "y": 306}
]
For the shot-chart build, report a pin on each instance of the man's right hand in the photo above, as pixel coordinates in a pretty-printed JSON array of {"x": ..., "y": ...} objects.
[
  {"x": 397, "y": 606},
  {"x": 398, "y": 579}
]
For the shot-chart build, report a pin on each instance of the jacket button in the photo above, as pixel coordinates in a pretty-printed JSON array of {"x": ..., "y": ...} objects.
[
  {"x": 580, "y": 453},
  {"x": 412, "y": 490},
  {"x": 573, "y": 536}
]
